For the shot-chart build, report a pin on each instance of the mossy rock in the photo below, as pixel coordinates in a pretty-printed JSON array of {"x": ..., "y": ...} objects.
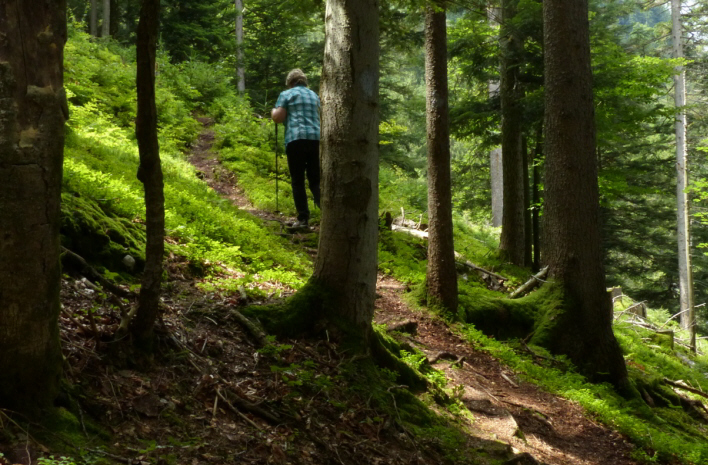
[{"x": 103, "y": 239}]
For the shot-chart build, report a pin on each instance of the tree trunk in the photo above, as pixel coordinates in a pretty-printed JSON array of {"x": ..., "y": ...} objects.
[
  {"x": 106, "y": 24},
  {"x": 33, "y": 111},
  {"x": 582, "y": 328},
  {"x": 687, "y": 318},
  {"x": 496, "y": 174},
  {"x": 441, "y": 278},
  {"x": 512, "y": 241},
  {"x": 536, "y": 199},
  {"x": 150, "y": 174},
  {"x": 240, "y": 66},
  {"x": 114, "y": 21},
  {"x": 93, "y": 21},
  {"x": 347, "y": 259},
  {"x": 528, "y": 239}
]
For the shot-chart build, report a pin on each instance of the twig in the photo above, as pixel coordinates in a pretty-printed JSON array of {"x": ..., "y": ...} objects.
[
  {"x": 117, "y": 458},
  {"x": 508, "y": 380}
]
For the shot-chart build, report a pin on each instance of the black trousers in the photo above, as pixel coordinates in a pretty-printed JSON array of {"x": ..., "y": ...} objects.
[{"x": 304, "y": 159}]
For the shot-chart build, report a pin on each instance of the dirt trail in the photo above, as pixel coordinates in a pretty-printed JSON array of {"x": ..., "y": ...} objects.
[{"x": 553, "y": 430}]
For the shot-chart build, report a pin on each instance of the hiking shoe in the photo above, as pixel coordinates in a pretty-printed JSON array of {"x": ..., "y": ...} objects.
[{"x": 299, "y": 224}]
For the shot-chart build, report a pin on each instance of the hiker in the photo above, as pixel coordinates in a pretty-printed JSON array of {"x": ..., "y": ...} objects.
[{"x": 299, "y": 109}]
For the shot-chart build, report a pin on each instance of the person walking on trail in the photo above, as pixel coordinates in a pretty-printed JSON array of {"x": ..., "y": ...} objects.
[{"x": 299, "y": 109}]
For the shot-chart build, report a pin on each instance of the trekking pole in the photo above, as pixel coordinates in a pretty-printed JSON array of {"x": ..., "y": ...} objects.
[{"x": 277, "y": 210}]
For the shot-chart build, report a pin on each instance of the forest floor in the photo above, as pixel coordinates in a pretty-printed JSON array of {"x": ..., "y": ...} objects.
[{"x": 214, "y": 394}]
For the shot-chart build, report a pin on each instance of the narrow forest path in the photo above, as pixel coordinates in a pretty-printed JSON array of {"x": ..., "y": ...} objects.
[{"x": 550, "y": 429}]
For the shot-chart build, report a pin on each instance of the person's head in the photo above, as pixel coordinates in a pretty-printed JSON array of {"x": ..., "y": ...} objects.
[{"x": 296, "y": 78}]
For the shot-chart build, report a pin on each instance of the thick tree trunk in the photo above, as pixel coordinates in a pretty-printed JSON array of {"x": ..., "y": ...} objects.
[
  {"x": 106, "y": 23},
  {"x": 441, "y": 278},
  {"x": 150, "y": 174},
  {"x": 346, "y": 262},
  {"x": 240, "y": 65},
  {"x": 93, "y": 21},
  {"x": 512, "y": 241},
  {"x": 32, "y": 115},
  {"x": 687, "y": 317},
  {"x": 583, "y": 327}
]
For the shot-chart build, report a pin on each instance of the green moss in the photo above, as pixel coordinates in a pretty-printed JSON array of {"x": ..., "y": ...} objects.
[
  {"x": 98, "y": 236},
  {"x": 296, "y": 316},
  {"x": 506, "y": 318}
]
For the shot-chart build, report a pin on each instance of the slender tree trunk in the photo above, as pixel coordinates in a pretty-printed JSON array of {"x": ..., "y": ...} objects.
[
  {"x": 687, "y": 317},
  {"x": 528, "y": 239},
  {"x": 441, "y": 278},
  {"x": 582, "y": 329},
  {"x": 150, "y": 174},
  {"x": 512, "y": 241},
  {"x": 32, "y": 115},
  {"x": 93, "y": 22},
  {"x": 536, "y": 199},
  {"x": 347, "y": 259},
  {"x": 106, "y": 24},
  {"x": 240, "y": 65}
]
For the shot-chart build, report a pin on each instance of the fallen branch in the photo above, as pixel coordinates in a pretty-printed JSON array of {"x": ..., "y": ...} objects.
[
  {"x": 93, "y": 275},
  {"x": 464, "y": 262},
  {"x": 680, "y": 385},
  {"x": 237, "y": 412},
  {"x": 253, "y": 328},
  {"x": 530, "y": 284}
]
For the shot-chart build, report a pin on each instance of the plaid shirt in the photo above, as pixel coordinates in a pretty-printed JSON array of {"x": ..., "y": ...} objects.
[{"x": 303, "y": 113}]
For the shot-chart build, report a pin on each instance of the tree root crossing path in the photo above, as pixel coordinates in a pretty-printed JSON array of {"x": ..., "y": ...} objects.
[{"x": 543, "y": 428}]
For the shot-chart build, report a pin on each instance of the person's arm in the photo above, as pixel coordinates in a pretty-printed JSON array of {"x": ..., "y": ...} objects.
[{"x": 279, "y": 114}]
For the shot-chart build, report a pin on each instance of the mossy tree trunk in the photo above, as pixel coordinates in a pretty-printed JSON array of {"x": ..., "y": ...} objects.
[
  {"x": 441, "y": 277},
  {"x": 32, "y": 115},
  {"x": 582, "y": 328},
  {"x": 513, "y": 234},
  {"x": 346, "y": 263},
  {"x": 150, "y": 174}
]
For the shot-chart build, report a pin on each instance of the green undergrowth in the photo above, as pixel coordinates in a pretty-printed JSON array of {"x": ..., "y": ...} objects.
[
  {"x": 103, "y": 214},
  {"x": 664, "y": 433}
]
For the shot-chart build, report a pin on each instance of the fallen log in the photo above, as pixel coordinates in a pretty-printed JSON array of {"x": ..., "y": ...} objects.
[
  {"x": 530, "y": 284},
  {"x": 459, "y": 258}
]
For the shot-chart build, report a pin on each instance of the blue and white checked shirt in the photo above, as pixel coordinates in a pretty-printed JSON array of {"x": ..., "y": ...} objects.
[{"x": 303, "y": 113}]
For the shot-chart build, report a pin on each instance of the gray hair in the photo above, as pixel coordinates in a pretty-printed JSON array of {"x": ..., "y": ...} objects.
[{"x": 296, "y": 77}]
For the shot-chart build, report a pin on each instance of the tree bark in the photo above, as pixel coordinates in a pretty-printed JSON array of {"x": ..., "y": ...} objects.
[
  {"x": 513, "y": 234},
  {"x": 106, "y": 23},
  {"x": 93, "y": 19},
  {"x": 441, "y": 277},
  {"x": 114, "y": 20},
  {"x": 536, "y": 199},
  {"x": 687, "y": 318},
  {"x": 150, "y": 174},
  {"x": 582, "y": 329},
  {"x": 33, "y": 112},
  {"x": 240, "y": 65},
  {"x": 347, "y": 259}
]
